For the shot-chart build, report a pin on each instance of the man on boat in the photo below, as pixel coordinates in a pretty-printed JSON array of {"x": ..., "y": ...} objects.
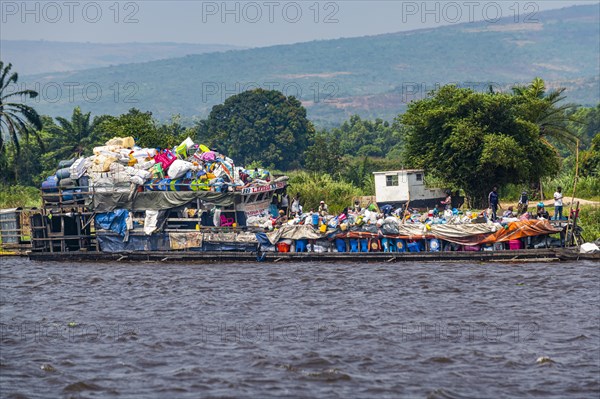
[
  {"x": 281, "y": 219},
  {"x": 296, "y": 204},
  {"x": 558, "y": 204},
  {"x": 323, "y": 209},
  {"x": 523, "y": 204},
  {"x": 493, "y": 202},
  {"x": 448, "y": 201}
]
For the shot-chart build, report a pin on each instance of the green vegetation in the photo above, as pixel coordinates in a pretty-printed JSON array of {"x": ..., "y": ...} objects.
[
  {"x": 316, "y": 187},
  {"x": 589, "y": 220},
  {"x": 258, "y": 125},
  {"x": 19, "y": 196},
  {"x": 473, "y": 141},
  {"x": 590, "y": 159}
]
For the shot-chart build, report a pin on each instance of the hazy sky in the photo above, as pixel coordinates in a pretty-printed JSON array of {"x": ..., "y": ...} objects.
[{"x": 245, "y": 23}]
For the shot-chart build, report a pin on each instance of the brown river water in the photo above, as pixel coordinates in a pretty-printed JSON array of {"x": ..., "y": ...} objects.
[{"x": 302, "y": 330}]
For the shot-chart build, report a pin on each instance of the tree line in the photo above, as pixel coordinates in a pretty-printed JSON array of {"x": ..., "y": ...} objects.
[{"x": 463, "y": 139}]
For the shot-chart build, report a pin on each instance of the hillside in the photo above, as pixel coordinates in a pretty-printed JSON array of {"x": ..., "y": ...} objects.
[
  {"x": 33, "y": 57},
  {"x": 374, "y": 76}
]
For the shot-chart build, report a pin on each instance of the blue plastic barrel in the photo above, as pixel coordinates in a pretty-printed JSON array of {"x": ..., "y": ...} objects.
[
  {"x": 385, "y": 243},
  {"x": 301, "y": 245},
  {"x": 364, "y": 245},
  {"x": 67, "y": 195},
  {"x": 413, "y": 247},
  {"x": 65, "y": 163},
  {"x": 340, "y": 245},
  {"x": 63, "y": 173},
  {"x": 50, "y": 185},
  {"x": 353, "y": 245}
]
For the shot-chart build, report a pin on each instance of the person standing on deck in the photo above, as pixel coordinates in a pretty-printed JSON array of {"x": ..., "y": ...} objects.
[
  {"x": 448, "y": 201},
  {"x": 558, "y": 204},
  {"x": 285, "y": 201},
  {"x": 494, "y": 203},
  {"x": 296, "y": 205}
]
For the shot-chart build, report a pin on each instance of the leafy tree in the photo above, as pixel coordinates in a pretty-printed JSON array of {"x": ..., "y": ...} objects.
[
  {"x": 359, "y": 171},
  {"x": 586, "y": 122},
  {"x": 324, "y": 155},
  {"x": 16, "y": 119},
  {"x": 259, "y": 125},
  {"x": 590, "y": 159},
  {"x": 26, "y": 165},
  {"x": 144, "y": 129},
  {"x": 475, "y": 140},
  {"x": 367, "y": 138}
]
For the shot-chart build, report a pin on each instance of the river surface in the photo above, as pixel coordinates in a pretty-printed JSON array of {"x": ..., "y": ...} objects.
[{"x": 313, "y": 330}]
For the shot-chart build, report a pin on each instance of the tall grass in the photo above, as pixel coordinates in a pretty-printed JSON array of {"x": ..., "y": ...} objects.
[
  {"x": 316, "y": 187},
  {"x": 587, "y": 187},
  {"x": 589, "y": 220},
  {"x": 19, "y": 196}
]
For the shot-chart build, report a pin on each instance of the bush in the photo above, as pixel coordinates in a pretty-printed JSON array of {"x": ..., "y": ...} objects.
[
  {"x": 316, "y": 187},
  {"x": 19, "y": 196},
  {"x": 589, "y": 220},
  {"x": 587, "y": 187}
]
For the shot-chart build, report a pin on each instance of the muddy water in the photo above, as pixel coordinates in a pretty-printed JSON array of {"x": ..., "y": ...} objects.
[{"x": 299, "y": 330}]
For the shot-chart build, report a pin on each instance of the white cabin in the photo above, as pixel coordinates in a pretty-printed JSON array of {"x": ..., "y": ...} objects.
[{"x": 399, "y": 186}]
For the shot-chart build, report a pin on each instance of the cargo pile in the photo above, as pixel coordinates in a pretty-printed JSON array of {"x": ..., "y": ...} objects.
[
  {"x": 385, "y": 229},
  {"x": 119, "y": 164}
]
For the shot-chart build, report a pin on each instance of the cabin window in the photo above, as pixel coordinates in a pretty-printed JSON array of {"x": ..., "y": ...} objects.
[
  {"x": 419, "y": 177},
  {"x": 391, "y": 180}
]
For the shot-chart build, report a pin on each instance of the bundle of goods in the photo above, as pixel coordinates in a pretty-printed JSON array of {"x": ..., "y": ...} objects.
[{"x": 119, "y": 164}]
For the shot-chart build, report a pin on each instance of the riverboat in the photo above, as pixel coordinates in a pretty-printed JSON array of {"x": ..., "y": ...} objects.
[{"x": 111, "y": 226}]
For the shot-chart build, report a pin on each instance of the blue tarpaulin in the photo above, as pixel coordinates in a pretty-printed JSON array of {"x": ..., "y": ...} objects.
[
  {"x": 155, "y": 242},
  {"x": 114, "y": 221}
]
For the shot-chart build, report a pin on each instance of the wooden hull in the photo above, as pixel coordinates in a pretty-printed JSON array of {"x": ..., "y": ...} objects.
[{"x": 529, "y": 255}]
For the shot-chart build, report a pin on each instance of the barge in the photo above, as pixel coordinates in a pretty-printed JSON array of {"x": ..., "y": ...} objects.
[
  {"x": 119, "y": 205},
  {"x": 67, "y": 231}
]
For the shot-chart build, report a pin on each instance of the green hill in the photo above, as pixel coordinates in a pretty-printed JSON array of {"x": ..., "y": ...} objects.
[{"x": 374, "y": 76}]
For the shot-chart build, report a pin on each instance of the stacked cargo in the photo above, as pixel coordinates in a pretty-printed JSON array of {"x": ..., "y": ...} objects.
[{"x": 119, "y": 164}]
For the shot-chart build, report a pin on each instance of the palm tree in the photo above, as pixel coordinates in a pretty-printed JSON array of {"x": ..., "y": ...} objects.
[
  {"x": 72, "y": 138},
  {"x": 552, "y": 119},
  {"x": 16, "y": 119},
  {"x": 544, "y": 110}
]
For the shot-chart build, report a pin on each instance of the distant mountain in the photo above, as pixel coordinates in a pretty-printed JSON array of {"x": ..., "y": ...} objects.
[
  {"x": 33, "y": 57},
  {"x": 374, "y": 76}
]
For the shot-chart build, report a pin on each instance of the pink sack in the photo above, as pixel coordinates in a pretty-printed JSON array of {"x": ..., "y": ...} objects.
[
  {"x": 166, "y": 158},
  {"x": 208, "y": 156}
]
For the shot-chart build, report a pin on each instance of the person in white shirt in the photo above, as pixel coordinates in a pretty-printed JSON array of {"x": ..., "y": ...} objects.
[
  {"x": 296, "y": 205},
  {"x": 558, "y": 204}
]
